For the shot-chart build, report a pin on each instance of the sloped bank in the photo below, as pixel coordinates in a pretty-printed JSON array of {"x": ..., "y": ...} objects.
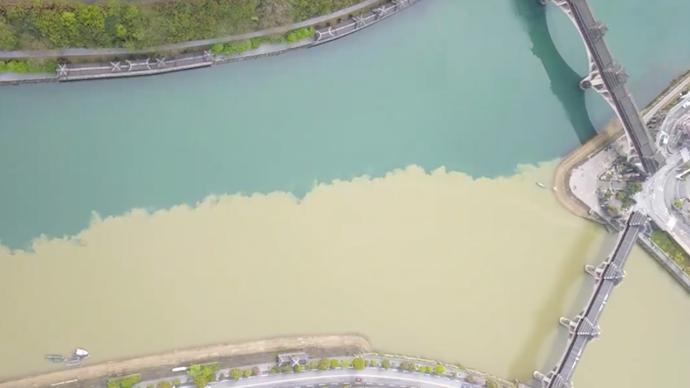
[{"x": 124, "y": 63}]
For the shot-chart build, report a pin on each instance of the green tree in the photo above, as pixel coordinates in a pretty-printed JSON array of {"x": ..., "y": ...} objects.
[
  {"x": 202, "y": 374},
  {"x": 334, "y": 364},
  {"x": 298, "y": 368},
  {"x": 235, "y": 374},
  {"x": 386, "y": 363},
  {"x": 324, "y": 364},
  {"x": 8, "y": 38},
  {"x": 247, "y": 373},
  {"x": 439, "y": 369},
  {"x": 358, "y": 363},
  {"x": 124, "y": 382}
]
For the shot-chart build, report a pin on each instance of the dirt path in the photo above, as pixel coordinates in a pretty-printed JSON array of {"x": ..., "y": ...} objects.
[{"x": 346, "y": 343}]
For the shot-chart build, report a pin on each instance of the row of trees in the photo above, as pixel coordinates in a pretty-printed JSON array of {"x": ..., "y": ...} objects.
[
  {"x": 118, "y": 23},
  {"x": 238, "y": 47}
]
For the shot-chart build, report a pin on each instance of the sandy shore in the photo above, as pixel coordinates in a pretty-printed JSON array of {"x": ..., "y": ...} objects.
[{"x": 346, "y": 343}]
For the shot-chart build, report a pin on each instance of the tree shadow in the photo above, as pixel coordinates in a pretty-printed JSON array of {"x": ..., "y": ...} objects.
[{"x": 564, "y": 80}]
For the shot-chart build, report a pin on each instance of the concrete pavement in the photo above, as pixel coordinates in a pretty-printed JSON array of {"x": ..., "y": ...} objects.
[{"x": 372, "y": 377}]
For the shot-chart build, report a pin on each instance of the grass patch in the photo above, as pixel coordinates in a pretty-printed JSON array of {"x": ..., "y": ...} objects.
[
  {"x": 124, "y": 381},
  {"x": 672, "y": 249},
  {"x": 27, "y": 66}
]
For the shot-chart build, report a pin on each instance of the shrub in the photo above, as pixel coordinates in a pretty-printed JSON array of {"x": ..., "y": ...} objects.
[
  {"x": 439, "y": 369},
  {"x": 124, "y": 382},
  {"x": 235, "y": 374},
  {"x": 202, "y": 374},
  {"x": 247, "y": 373},
  {"x": 334, "y": 364},
  {"x": 298, "y": 368},
  {"x": 299, "y": 34},
  {"x": 358, "y": 363},
  {"x": 385, "y": 363},
  {"x": 324, "y": 364}
]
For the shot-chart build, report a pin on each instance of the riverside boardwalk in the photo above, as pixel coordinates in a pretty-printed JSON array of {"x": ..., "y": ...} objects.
[
  {"x": 357, "y": 17},
  {"x": 160, "y": 364}
]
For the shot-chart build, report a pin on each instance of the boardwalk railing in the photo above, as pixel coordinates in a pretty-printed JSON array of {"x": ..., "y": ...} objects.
[{"x": 166, "y": 64}]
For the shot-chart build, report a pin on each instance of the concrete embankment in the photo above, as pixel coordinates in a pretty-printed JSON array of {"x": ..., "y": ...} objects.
[
  {"x": 238, "y": 353},
  {"x": 327, "y": 28},
  {"x": 606, "y": 137},
  {"x": 564, "y": 170},
  {"x": 662, "y": 258}
]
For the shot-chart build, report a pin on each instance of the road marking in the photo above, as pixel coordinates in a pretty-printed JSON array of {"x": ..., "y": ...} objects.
[{"x": 299, "y": 379}]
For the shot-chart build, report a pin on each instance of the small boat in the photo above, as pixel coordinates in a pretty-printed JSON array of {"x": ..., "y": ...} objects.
[
  {"x": 56, "y": 358},
  {"x": 541, "y": 185}
]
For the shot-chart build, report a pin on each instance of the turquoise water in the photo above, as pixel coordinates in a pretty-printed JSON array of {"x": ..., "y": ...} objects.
[{"x": 474, "y": 86}]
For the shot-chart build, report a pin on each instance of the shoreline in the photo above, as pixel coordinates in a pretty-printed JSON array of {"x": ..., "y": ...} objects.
[
  {"x": 243, "y": 356},
  {"x": 124, "y": 64},
  {"x": 325, "y": 344},
  {"x": 611, "y": 133}
]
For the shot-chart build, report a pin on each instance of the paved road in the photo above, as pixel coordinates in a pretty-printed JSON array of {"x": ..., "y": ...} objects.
[
  {"x": 668, "y": 97},
  {"x": 390, "y": 378}
]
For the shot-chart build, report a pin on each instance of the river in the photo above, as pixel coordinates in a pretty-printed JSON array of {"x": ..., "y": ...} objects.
[{"x": 383, "y": 184}]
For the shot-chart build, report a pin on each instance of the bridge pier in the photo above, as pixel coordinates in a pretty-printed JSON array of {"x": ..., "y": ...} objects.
[
  {"x": 606, "y": 271},
  {"x": 585, "y": 326},
  {"x": 608, "y": 79}
]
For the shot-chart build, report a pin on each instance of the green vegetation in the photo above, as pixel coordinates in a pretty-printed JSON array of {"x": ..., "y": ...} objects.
[
  {"x": 334, "y": 364},
  {"x": 26, "y": 66},
  {"x": 202, "y": 374},
  {"x": 235, "y": 374},
  {"x": 491, "y": 383},
  {"x": 672, "y": 249},
  {"x": 626, "y": 195},
  {"x": 124, "y": 381},
  {"x": 298, "y": 368},
  {"x": 385, "y": 363},
  {"x": 324, "y": 364},
  {"x": 358, "y": 363},
  {"x": 299, "y": 34},
  {"x": 36, "y": 24},
  {"x": 439, "y": 369},
  {"x": 164, "y": 384},
  {"x": 408, "y": 366},
  {"x": 678, "y": 204}
]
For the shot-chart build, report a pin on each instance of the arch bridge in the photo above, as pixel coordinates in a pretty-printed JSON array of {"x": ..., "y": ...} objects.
[{"x": 608, "y": 78}]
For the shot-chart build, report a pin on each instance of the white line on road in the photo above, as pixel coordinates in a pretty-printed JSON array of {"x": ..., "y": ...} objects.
[{"x": 299, "y": 379}]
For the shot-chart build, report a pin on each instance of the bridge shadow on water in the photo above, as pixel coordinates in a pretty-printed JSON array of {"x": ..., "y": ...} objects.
[
  {"x": 560, "y": 301},
  {"x": 564, "y": 80}
]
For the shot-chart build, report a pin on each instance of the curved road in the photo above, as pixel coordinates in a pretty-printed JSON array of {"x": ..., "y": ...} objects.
[{"x": 369, "y": 377}]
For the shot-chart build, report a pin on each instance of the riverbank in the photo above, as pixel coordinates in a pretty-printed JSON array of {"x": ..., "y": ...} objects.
[
  {"x": 608, "y": 139},
  {"x": 162, "y": 363},
  {"x": 223, "y": 50},
  {"x": 343, "y": 356},
  {"x": 612, "y": 132}
]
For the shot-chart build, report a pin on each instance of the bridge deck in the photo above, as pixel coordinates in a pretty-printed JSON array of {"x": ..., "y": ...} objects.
[
  {"x": 587, "y": 323},
  {"x": 621, "y": 97}
]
